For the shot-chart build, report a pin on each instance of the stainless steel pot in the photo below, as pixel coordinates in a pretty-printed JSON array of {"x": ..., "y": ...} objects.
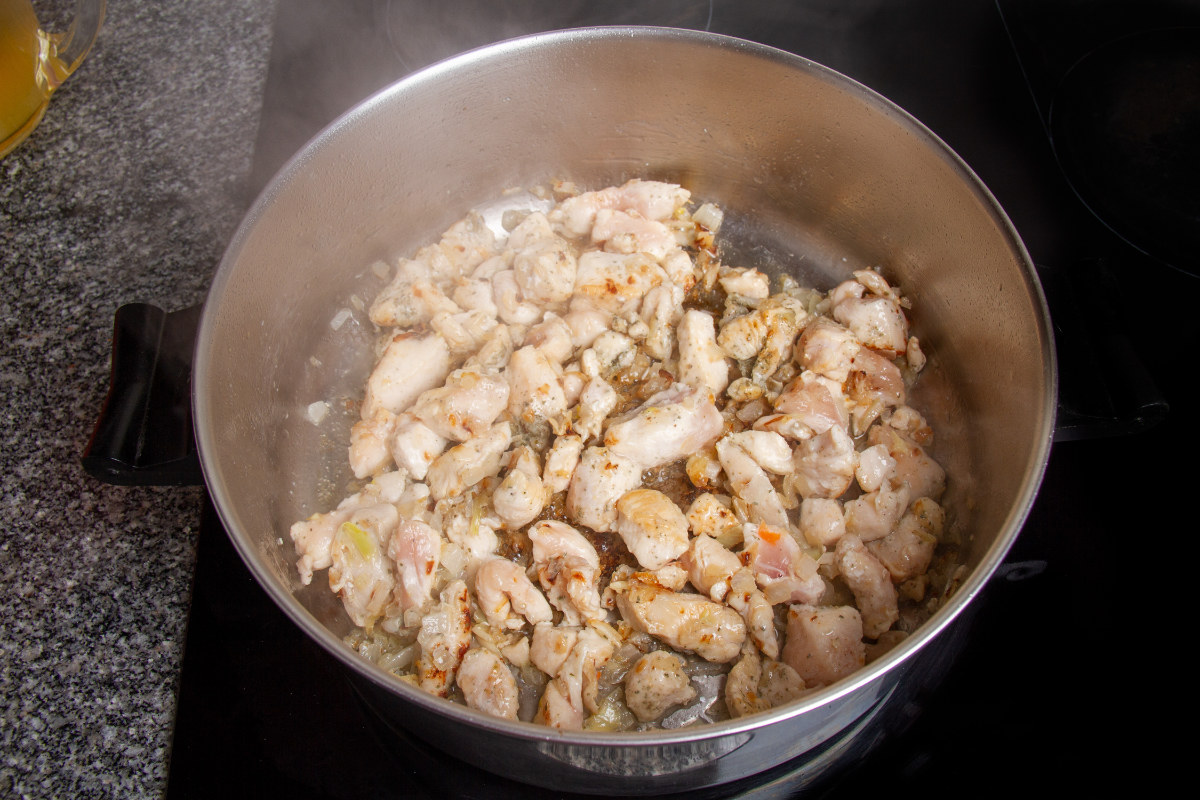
[{"x": 818, "y": 176}]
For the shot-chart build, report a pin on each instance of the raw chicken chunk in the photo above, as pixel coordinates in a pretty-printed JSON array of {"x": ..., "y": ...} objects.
[
  {"x": 465, "y": 406},
  {"x": 410, "y": 365},
  {"x": 415, "y": 548},
  {"x": 670, "y": 425},
  {"x": 568, "y": 568},
  {"x": 488, "y": 684},
  {"x": 701, "y": 361},
  {"x": 685, "y": 621},
  {"x": 756, "y": 685},
  {"x": 465, "y": 465},
  {"x": 652, "y": 527},
  {"x": 601, "y": 478},
  {"x": 871, "y": 584},
  {"x": 508, "y": 597},
  {"x": 824, "y": 644},
  {"x": 444, "y": 639},
  {"x": 657, "y": 683},
  {"x": 359, "y": 570}
]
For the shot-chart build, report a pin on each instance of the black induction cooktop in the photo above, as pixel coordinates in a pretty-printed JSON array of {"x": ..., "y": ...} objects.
[{"x": 1038, "y": 695}]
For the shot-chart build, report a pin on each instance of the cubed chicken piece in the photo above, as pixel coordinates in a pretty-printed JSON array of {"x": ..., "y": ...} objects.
[
  {"x": 465, "y": 331},
  {"x": 670, "y": 425},
  {"x": 873, "y": 515},
  {"x": 494, "y": 354},
  {"x": 596, "y": 402},
  {"x": 752, "y": 603},
  {"x": 550, "y": 645},
  {"x": 507, "y": 597},
  {"x": 568, "y": 569},
  {"x": 467, "y": 243},
  {"x": 652, "y": 527},
  {"x": 573, "y": 688},
  {"x": 624, "y": 232},
  {"x": 680, "y": 268},
  {"x": 875, "y": 375},
  {"x": 784, "y": 571},
  {"x": 821, "y": 521},
  {"x": 825, "y": 464},
  {"x": 789, "y": 426},
  {"x": 313, "y": 537},
  {"x": 712, "y": 515},
  {"x": 533, "y": 227},
  {"x": 875, "y": 466},
  {"x": 746, "y": 282},
  {"x": 370, "y": 438},
  {"x": 616, "y": 282},
  {"x": 877, "y": 322},
  {"x": 487, "y": 684},
  {"x": 756, "y": 684},
  {"x": 413, "y": 296},
  {"x": 468, "y": 522},
  {"x": 701, "y": 361},
  {"x": 768, "y": 449},
  {"x": 553, "y": 337},
  {"x": 688, "y": 622},
  {"x": 586, "y": 321},
  {"x": 465, "y": 406},
  {"x": 908, "y": 550},
  {"x": 521, "y": 496},
  {"x": 750, "y": 483},
  {"x": 360, "y": 571},
  {"x": 710, "y": 566},
  {"x": 466, "y": 464},
  {"x": 410, "y": 364},
  {"x": 654, "y": 200},
  {"x": 561, "y": 462},
  {"x": 827, "y": 348},
  {"x": 871, "y": 584},
  {"x": 535, "y": 390},
  {"x": 914, "y": 467},
  {"x": 511, "y": 304},
  {"x": 545, "y": 271},
  {"x": 416, "y": 549},
  {"x": 414, "y": 445},
  {"x": 601, "y": 478},
  {"x": 608, "y": 354},
  {"x": 815, "y": 401},
  {"x": 662, "y": 308},
  {"x": 656, "y": 683},
  {"x": 703, "y": 468},
  {"x": 444, "y": 639},
  {"x": 657, "y": 200},
  {"x": 824, "y": 643},
  {"x": 476, "y": 294}
]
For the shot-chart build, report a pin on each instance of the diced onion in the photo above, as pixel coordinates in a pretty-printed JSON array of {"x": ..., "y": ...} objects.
[{"x": 316, "y": 412}]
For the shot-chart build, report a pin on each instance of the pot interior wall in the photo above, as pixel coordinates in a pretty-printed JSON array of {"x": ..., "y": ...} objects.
[{"x": 817, "y": 175}]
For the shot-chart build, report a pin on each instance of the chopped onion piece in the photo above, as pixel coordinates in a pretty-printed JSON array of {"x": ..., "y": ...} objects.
[{"x": 316, "y": 412}]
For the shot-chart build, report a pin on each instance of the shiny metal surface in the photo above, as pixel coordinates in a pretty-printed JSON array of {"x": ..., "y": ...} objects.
[{"x": 818, "y": 176}]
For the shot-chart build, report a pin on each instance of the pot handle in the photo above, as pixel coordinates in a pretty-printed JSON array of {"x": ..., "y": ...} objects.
[
  {"x": 1104, "y": 387},
  {"x": 143, "y": 436}
]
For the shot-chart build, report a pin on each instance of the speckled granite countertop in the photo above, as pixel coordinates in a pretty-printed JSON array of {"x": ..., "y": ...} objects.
[{"x": 128, "y": 191}]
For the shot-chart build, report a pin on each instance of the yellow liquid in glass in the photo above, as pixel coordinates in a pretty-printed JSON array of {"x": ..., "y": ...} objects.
[{"x": 23, "y": 89}]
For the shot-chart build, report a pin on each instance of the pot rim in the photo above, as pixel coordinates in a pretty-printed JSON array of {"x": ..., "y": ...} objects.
[{"x": 476, "y": 58}]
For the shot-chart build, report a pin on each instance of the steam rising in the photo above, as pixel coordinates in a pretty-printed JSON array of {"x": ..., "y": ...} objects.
[{"x": 315, "y": 75}]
